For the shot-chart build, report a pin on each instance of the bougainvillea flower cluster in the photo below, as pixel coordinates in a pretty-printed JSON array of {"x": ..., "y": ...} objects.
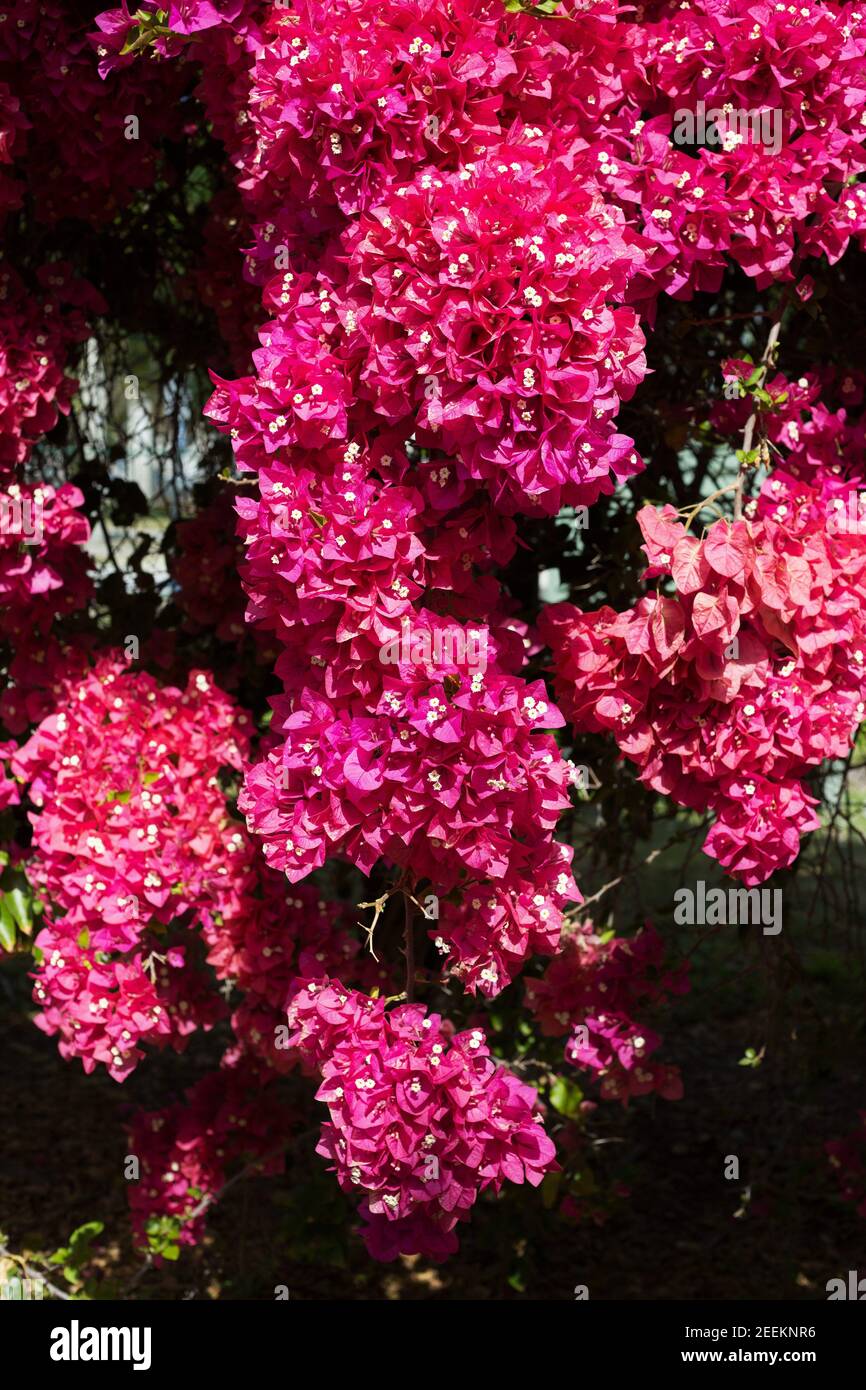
[
  {"x": 452, "y": 224},
  {"x": 131, "y": 843},
  {"x": 36, "y": 338},
  {"x": 727, "y": 690},
  {"x": 186, "y": 1151},
  {"x": 590, "y": 992},
  {"x": 422, "y": 1119},
  {"x": 848, "y": 1158}
]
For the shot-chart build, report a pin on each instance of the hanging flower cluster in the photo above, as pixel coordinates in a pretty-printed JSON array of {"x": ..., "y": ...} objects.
[
  {"x": 421, "y": 1118},
  {"x": 147, "y": 879},
  {"x": 748, "y": 136},
  {"x": 725, "y": 692}
]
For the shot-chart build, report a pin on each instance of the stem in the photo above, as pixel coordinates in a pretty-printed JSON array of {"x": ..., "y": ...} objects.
[
  {"x": 575, "y": 913},
  {"x": 31, "y": 1273},
  {"x": 409, "y": 939},
  {"x": 705, "y": 502},
  {"x": 749, "y": 431}
]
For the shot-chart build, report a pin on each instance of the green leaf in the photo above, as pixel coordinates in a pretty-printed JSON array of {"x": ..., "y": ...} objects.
[
  {"x": 565, "y": 1097},
  {"x": 132, "y": 44},
  {"x": 751, "y": 1058},
  {"x": 20, "y": 907},
  {"x": 83, "y": 1235},
  {"x": 8, "y": 934},
  {"x": 72, "y": 1256}
]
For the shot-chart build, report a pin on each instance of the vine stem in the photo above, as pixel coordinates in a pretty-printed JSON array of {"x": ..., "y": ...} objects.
[
  {"x": 575, "y": 913},
  {"x": 409, "y": 940},
  {"x": 749, "y": 431},
  {"x": 691, "y": 512},
  {"x": 32, "y": 1273}
]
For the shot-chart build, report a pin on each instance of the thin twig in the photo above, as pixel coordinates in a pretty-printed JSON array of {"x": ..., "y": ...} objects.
[
  {"x": 578, "y": 911},
  {"x": 409, "y": 938},
  {"x": 749, "y": 430},
  {"x": 33, "y": 1273}
]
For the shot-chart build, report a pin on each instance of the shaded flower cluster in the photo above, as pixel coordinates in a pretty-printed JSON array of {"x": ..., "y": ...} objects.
[
  {"x": 43, "y": 577},
  {"x": 185, "y": 1152},
  {"x": 37, "y": 335},
  {"x": 848, "y": 1157},
  {"x": 591, "y": 991}
]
